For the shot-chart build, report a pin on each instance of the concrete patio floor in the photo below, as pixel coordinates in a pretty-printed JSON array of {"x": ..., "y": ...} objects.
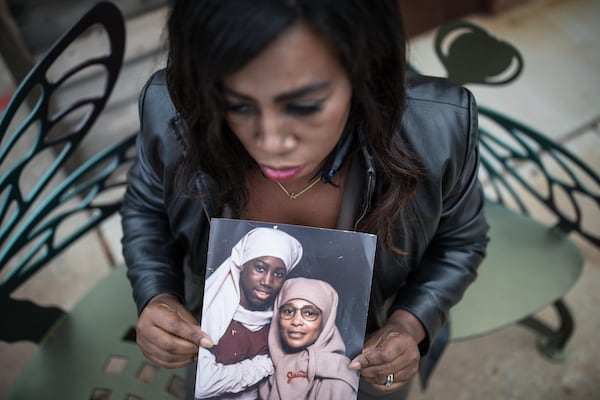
[{"x": 558, "y": 93}]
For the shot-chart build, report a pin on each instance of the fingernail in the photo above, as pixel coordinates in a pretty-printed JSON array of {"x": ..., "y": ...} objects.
[{"x": 354, "y": 365}]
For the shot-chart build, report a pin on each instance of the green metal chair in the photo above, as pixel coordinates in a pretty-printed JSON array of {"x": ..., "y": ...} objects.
[
  {"x": 537, "y": 193},
  {"x": 88, "y": 352},
  {"x": 471, "y": 55}
]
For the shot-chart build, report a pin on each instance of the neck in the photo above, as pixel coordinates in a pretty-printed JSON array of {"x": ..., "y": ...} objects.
[{"x": 319, "y": 206}]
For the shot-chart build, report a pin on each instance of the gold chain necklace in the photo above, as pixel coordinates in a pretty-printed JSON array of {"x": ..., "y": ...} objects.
[{"x": 294, "y": 195}]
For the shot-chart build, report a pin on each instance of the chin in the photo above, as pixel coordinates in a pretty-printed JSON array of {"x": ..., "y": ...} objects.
[
  {"x": 260, "y": 305},
  {"x": 289, "y": 349}
]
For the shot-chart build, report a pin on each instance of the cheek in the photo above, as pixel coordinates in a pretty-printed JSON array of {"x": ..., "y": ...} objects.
[
  {"x": 277, "y": 284},
  {"x": 334, "y": 120},
  {"x": 248, "y": 279},
  {"x": 241, "y": 127},
  {"x": 283, "y": 325},
  {"x": 340, "y": 106},
  {"x": 340, "y": 111},
  {"x": 317, "y": 328}
]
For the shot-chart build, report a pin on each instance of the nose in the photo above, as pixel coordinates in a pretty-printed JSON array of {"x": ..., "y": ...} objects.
[
  {"x": 267, "y": 280},
  {"x": 271, "y": 134},
  {"x": 297, "y": 318}
]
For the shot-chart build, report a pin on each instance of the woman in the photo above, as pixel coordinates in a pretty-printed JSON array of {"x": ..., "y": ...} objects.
[
  {"x": 307, "y": 349},
  {"x": 237, "y": 311},
  {"x": 300, "y": 112}
]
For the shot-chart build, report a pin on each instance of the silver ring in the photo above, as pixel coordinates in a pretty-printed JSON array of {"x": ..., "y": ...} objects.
[{"x": 389, "y": 380}]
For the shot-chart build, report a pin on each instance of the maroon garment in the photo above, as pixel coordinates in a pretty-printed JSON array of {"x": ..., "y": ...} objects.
[{"x": 238, "y": 343}]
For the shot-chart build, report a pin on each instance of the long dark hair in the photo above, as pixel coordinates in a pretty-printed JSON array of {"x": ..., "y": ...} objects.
[{"x": 209, "y": 39}]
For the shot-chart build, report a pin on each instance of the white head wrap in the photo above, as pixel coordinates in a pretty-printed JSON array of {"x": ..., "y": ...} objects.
[{"x": 222, "y": 292}]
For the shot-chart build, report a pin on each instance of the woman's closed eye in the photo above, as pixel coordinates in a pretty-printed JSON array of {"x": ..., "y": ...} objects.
[
  {"x": 304, "y": 108},
  {"x": 296, "y": 109},
  {"x": 239, "y": 107}
]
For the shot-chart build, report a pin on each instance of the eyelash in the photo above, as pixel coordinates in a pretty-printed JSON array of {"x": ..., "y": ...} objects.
[
  {"x": 261, "y": 268},
  {"x": 237, "y": 108},
  {"x": 303, "y": 109},
  {"x": 296, "y": 109}
]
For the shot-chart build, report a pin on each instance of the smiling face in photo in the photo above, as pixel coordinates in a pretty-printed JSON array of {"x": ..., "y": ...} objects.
[
  {"x": 300, "y": 323},
  {"x": 260, "y": 280}
]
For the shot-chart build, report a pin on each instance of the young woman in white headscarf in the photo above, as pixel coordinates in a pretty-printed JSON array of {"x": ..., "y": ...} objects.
[
  {"x": 237, "y": 311},
  {"x": 306, "y": 347}
]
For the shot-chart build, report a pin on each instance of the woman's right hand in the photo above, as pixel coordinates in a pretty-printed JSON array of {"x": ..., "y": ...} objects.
[{"x": 168, "y": 333}]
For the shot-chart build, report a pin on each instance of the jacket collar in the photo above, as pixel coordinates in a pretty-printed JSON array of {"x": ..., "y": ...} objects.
[{"x": 358, "y": 194}]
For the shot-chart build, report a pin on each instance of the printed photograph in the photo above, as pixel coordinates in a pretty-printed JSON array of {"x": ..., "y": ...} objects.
[{"x": 286, "y": 308}]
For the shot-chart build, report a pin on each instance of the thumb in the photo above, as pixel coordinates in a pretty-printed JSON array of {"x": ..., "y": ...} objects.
[
  {"x": 360, "y": 361},
  {"x": 196, "y": 335}
]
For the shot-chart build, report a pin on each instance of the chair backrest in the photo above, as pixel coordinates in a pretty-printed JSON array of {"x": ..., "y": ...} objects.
[
  {"x": 36, "y": 217},
  {"x": 520, "y": 167},
  {"x": 525, "y": 170},
  {"x": 471, "y": 55}
]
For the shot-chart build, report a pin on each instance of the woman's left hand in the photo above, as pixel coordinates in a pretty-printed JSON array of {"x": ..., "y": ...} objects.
[{"x": 390, "y": 357}]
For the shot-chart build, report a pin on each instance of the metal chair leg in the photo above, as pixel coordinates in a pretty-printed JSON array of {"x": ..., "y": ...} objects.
[{"x": 552, "y": 342}]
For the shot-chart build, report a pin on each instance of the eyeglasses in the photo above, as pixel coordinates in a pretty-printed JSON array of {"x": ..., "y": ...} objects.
[{"x": 308, "y": 313}]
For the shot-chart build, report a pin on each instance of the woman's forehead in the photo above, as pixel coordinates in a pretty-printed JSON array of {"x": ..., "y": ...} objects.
[
  {"x": 297, "y": 302},
  {"x": 297, "y": 58},
  {"x": 271, "y": 261}
]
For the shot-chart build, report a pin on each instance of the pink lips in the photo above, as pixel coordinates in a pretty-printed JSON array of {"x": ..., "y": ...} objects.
[
  {"x": 281, "y": 174},
  {"x": 262, "y": 294},
  {"x": 295, "y": 335}
]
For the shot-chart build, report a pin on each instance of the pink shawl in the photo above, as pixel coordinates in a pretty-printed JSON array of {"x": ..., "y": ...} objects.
[{"x": 321, "y": 370}]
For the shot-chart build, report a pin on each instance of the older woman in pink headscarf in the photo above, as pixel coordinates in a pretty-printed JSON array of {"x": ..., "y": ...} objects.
[
  {"x": 306, "y": 346},
  {"x": 237, "y": 310}
]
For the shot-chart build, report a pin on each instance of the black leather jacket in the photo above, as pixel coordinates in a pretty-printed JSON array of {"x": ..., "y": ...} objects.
[{"x": 446, "y": 233}]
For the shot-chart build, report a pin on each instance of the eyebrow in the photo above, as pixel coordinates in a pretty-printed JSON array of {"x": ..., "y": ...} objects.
[
  {"x": 264, "y": 263},
  {"x": 292, "y": 94}
]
